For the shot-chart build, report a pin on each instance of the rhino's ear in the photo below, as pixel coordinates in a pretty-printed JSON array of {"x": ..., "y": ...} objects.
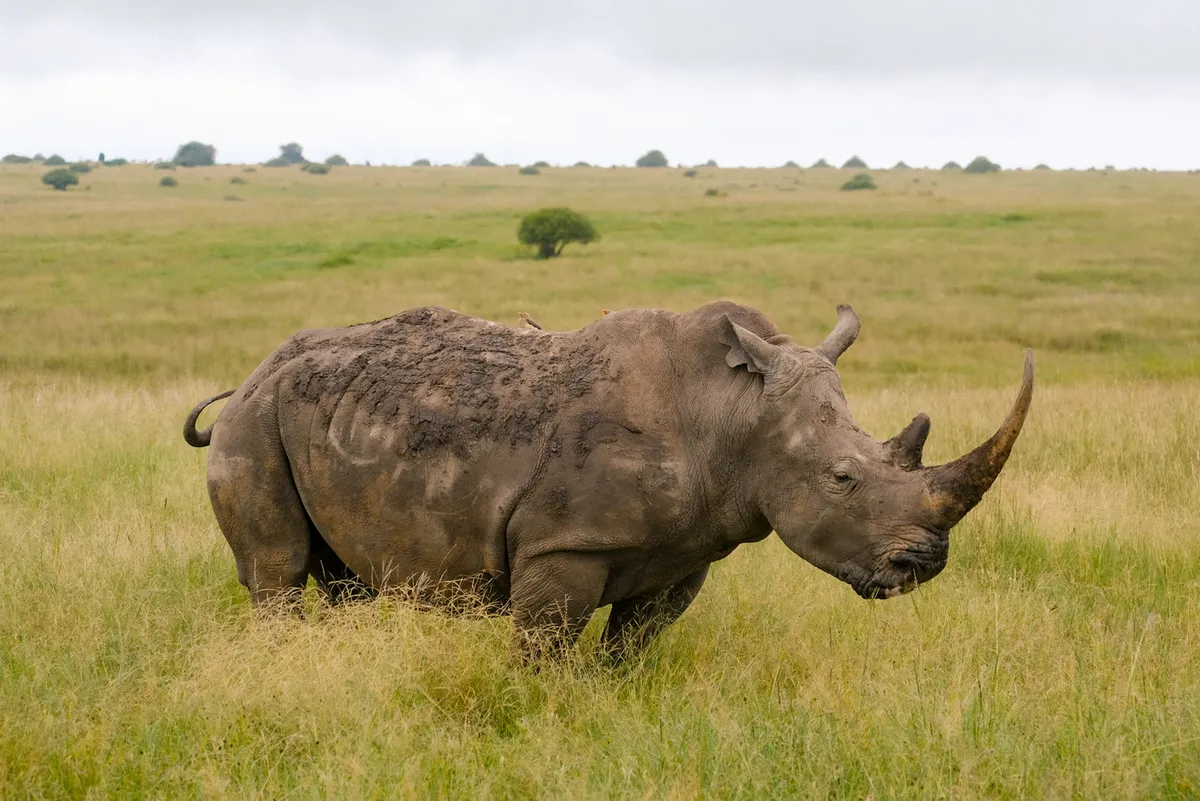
[{"x": 747, "y": 349}]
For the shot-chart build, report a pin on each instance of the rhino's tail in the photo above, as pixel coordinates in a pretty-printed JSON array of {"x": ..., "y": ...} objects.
[{"x": 200, "y": 439}]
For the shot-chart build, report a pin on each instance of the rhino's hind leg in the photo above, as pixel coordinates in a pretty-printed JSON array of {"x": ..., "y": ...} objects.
[
  {"x": 264, "y": 522},
  {"x": 338, "y": 584}
]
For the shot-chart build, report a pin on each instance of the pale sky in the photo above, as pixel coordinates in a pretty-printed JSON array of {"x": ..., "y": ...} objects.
[{"x": 1073, "y": 83}]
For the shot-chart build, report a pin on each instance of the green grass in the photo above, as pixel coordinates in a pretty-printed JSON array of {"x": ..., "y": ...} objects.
[{"x": 1057, "y": 656}]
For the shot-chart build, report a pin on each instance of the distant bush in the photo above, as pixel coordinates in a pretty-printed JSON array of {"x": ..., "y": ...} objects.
[
  {"x": 278, "y": 161},
  {"x": 710, "y": 163},
  {"x": 422, "y": 163},
  {"x": 541, "y": 165},
  {"x": 980, "y": 165},
  {"x": 116, "y": 162},
  {"x": 164, "y": 165},
  {"x": 951, "y": 165},
  {"x": 168, "y": 180},
  {"x": 232, "y": 198},
  {"x": 249, "y": 169},
  {"x": 55, "y": 161},
  {"x": 38, "y": 157},
  {"x": 900, "y": 165},
  {"x": 529, "y": 171},
  {"x": 550, "y": 230},
  {"x": 714, "y": 193},
  {"x": 690, "y": 174},
  {"x": 792, "y": 164},
  {"x": 195, "y": 154},
  {"x": 13, "y": 158},
  {"x": 336, "y": 161},
  {"x": 820, "y": 164},
  {"x": 1042, "y": 167},
  {"x": 315, "y": 168},
  {"x": 60, "y": 179},
  {"x": 654, "y": 158},
  {"x": 480, "y": 160},
  {"x": 582, "y": 164},
  {"x": 292, "y": 153},
  {"x": 80, "y": 167},
  {"x": 237, "y": 179},
  {"x": 854, "y": 163},
  {"x": 860, "y": 181}
]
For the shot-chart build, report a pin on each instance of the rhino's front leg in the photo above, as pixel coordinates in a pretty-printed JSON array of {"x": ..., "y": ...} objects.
[
  {"x": 553, "y": 597},
  {"x": 635, "y": 622}
]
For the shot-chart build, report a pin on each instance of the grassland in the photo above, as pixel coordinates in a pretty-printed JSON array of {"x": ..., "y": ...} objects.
[{"x": 1058, "y": 655}]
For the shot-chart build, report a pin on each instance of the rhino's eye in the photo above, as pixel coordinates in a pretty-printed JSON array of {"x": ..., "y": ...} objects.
[{"x": 842, "y": 477}]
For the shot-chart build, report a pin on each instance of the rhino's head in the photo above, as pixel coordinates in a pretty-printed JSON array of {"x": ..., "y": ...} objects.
[{"x": 864, "y": 511}]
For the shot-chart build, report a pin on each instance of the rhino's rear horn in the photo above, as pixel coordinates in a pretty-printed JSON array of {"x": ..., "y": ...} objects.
[
  {"x": 957, "y": 486},
  {"x": 842, "y": 336},
  {"x": 908, "y": 446}
]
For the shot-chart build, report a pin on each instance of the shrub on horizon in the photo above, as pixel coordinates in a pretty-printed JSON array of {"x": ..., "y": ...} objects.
[
  {"x": 653, "y": 158},
  {"x": 860, "y": 181},
  {"x": 336, "y": 161},
  {"x": 168, "y": 181},
  {"x": 480, "y": 160},
  {"x": 854, "y": 163},
  {"x": 195, "y": 154},
  {"x": 980, "y": 165}
]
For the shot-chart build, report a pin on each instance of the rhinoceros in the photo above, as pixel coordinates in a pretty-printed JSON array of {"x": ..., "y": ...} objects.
[{"x": 553, "y": 473}]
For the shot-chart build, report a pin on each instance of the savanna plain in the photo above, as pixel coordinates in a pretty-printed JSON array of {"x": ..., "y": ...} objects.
[{"x": 1057, "y": 656}]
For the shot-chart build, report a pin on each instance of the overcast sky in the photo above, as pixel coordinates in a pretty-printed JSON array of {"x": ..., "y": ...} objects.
[{"x": 753, "y": 82}]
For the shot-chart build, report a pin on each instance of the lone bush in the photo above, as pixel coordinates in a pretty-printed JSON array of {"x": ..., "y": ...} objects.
[
  {"x": 164, "y": 165},
  {"x": 821, "y": 164},
  {"x": 55, "y": 161},
  {"x": 116, "y": 162},
  {"x": 541, "y": 165},
  {"x": 860, "y": 181},
  {"x": 480, "y": 160},
  {"x": 714, "y": 193},
  {"x": 854, "y": 163},
  {"x": 195, "y": 154},
  {"x": 315, "y": 169},
  {"x": 582, "y": 164},
  {"x": 237, "y": 179},
  {"x": 336, "y": 161},
  {"x": 13, "y": 158},
  {"x": 60, "y": 179},
  {"x": 980, "y": 165},
  {"x": 1043, "y": 167},
  {"x": 950, "y": 166},
  {"x": 80, "y": 167},
  {"x": 550, "y": 230},
  {"x": 654, "y": 158},
  {"x": 529, "y": 171},
  {"x": 710, "y": 163},
  {"x": 792, "y": 164},
  {"x": 900, "y": 165},
  {"x": 422, "y": 163},
  {"x": 690, "y": 173},
  {"x": 278, "y": 161},
  {"x": 168, "y": 180}
]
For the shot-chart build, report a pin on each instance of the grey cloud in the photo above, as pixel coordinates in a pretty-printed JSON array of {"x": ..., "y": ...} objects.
[{"x": 1150, "y": 40}]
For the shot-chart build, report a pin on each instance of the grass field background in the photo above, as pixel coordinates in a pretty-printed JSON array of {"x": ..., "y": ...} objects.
[{"x": 1058, "y": 654}]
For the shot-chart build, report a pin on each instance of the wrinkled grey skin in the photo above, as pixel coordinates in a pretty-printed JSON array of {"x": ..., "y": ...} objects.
[{"x": 553, "y": 473}]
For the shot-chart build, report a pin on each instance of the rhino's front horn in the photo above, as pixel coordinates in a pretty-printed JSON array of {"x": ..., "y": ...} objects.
[
  {"x": 957, "y": 486},
  {"x": 842, "y": 336}
]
